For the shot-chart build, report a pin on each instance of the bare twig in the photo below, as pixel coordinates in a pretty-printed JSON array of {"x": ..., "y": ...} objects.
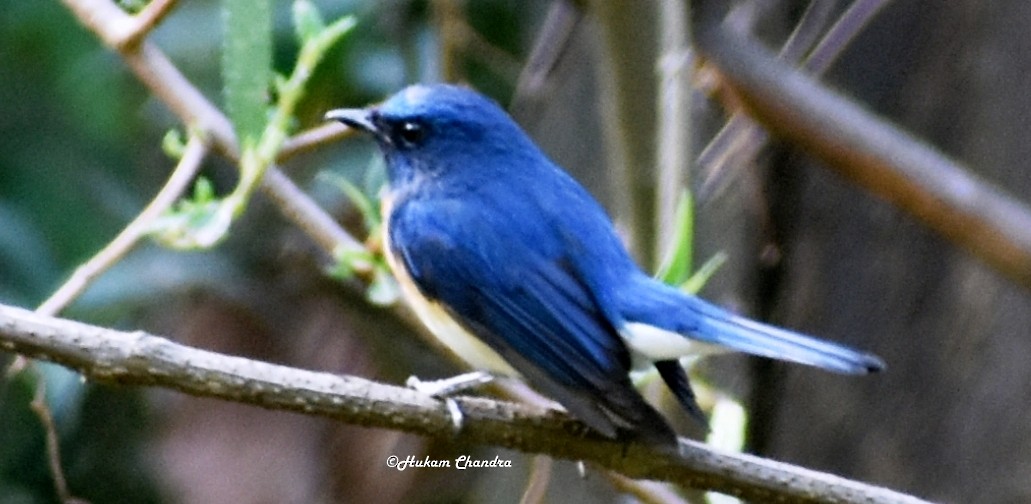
[
  {"x": 313, "y": 138},
  {"x": 40, "y": 408},
  {"x": 196, "y": 150},
  {"x": 807, "y": 31},
  {"x": 877, "y": 155},
  {"x": 138, "y": 358},
  {"x": 551, "y": 44},
  {"x": 738, "y": 142},
  {"x": 537, "y": 484},
  {"x": 169, "y": 85},
  {"x": 848, "y": 26},
  {"x": 649, "y": 492},
  {"x": 126, "y": 35},
  {"x": 300, "y": 209}
]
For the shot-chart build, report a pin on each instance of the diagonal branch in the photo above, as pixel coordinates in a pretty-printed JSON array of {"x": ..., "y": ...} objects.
[
  {"x": 873, "y": 153},
  {"x": 138, "y": 358},
  {"x": 741, "y": 139},
  {"x": 154, "y": 70},
  {"x": 193, "y": 155}
]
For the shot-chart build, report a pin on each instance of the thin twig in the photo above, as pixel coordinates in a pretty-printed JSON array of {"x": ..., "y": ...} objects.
[
  {"x": 138, "y": 358},
  {"x": 550, "y": 46},
  {"x": 537, "y": 484},
  {"x": 185, "y": 170},
  {"x": 849, "y": 25},
  {"x": 740, "y": 139},
  {"x": 309, "y": 140},
  {"x": 807, "y": 31},
  {"x": 42, "y": 411},
  {"x": 178, "y": 182},
  {"x": 306, "y": 214},
  {"x": 168, "y": 84},
  {"x": 648, "y": 492}
]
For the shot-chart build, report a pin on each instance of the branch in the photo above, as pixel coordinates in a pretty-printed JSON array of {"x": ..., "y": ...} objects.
[
  {"x": 168, "y": 84},
  {"x": 741, "y": 139},
  {"x": 872, "y": 152},
  {"x": 138, "y": 358},
  {"x": 182, "y": 175}
]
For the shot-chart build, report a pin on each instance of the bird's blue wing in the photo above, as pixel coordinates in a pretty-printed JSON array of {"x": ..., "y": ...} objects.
[{"x": 510, "y": 283}]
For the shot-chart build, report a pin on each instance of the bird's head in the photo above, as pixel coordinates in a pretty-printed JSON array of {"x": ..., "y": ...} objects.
[{"x": 440, "y": 129}]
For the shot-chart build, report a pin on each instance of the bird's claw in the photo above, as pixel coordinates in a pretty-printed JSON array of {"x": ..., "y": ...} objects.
[
  {"x": 449, "y": 386},
  {"x": 456, "y": 414},
  {"x": 441, "y": 389}
]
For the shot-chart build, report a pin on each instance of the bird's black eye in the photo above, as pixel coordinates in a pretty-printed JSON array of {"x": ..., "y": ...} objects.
[{"x": 410, "y": 133}]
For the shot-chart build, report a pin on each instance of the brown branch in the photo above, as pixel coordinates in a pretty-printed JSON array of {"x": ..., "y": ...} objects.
[
  {"x": 741, "y": 139},
  {"x": 138, "y": 358},
  {"x": 313, "y": 138},
  {"x": 154, "y": 70},
  {"x": 875, "y": 154}
]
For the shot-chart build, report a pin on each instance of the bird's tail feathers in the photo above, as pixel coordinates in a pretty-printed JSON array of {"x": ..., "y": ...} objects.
[
  {"x": 724, "y": 328},
  {"x": 657, "y": 317}
]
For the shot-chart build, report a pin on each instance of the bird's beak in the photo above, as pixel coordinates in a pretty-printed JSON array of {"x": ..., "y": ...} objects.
[{"x": 356, "y": 118}]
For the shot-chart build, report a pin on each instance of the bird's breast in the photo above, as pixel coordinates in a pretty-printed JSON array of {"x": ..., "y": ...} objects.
[{"x": 448, "y": 331}]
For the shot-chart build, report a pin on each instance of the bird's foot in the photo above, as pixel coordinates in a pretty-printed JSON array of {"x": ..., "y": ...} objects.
[{"x": 441, "y": 389}]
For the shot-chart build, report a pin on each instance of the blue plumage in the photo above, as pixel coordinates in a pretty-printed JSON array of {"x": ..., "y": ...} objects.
[{"x": 492, "y": 235}]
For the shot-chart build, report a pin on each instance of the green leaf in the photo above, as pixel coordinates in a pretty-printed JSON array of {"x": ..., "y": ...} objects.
[
  {"x": 307, "y": 20},
  {"x": 384, "y": 290},
  {"x": 365, "y": 205},
  {"x": 203, "y": 191},
  {"x": 247, "y": 64},
  {"x": 349, "y": 261},
  {"x": 133, "y": 6},
  {"x": 173, "y": 144},
  {"x": 700, "y": 277},
  {"x": 198, "y": 223},
  {"x": 729, "y": 424},
  {"x": 676, "y": 264}
]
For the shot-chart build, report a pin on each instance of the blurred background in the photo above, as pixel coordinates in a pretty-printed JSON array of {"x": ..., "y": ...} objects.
[{"x": 80, "y": 156}]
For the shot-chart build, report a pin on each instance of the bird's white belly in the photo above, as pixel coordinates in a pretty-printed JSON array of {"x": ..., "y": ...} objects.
[{"x": 444, "y": 327}]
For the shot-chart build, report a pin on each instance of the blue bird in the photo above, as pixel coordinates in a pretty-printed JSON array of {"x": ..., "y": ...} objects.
[{"x": 518, "y": 270}]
